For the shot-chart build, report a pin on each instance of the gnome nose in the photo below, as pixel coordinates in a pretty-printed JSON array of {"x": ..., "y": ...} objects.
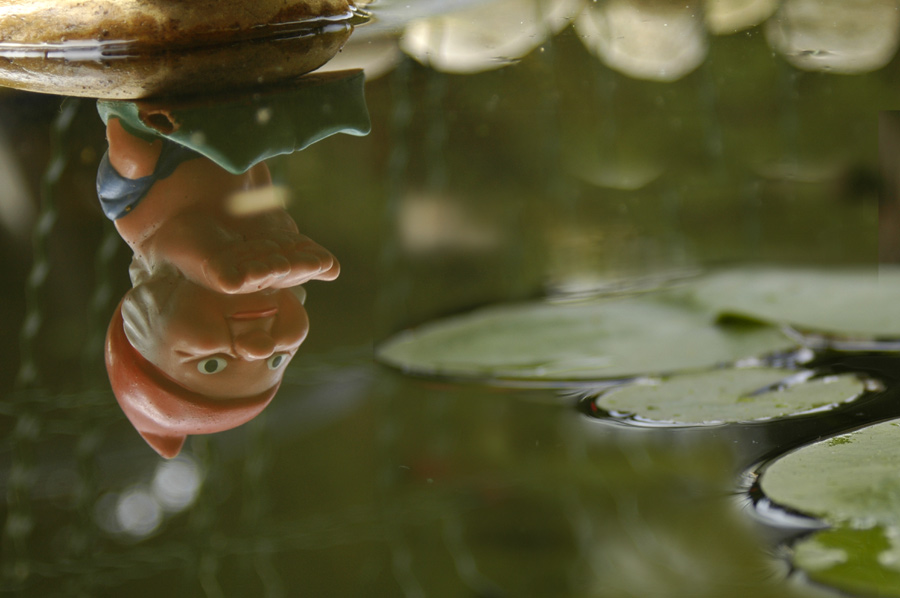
[{"x": 254, "y": 344}]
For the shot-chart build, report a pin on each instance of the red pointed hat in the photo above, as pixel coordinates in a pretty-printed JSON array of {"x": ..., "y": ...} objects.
[{"x": 164, "y": 412}]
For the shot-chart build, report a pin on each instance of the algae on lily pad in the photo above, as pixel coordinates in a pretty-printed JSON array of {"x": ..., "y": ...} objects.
[
  {"x": 729, "y": 396},
  {"x": 611, "y": 338},
  {"x": 859, "y": 303},
  {"x": 852, "y": 482}
]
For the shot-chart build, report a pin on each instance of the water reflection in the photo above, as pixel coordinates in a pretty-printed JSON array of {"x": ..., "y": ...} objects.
[
  {"x": 139, "y": 510},
  {"x": 201, "y": 342},
  {"x": 648, "y": 40},
  {"x": 730, "y": 16},
  {"x": 486, "y": 36},
  {"x": 804, "y": 32}
]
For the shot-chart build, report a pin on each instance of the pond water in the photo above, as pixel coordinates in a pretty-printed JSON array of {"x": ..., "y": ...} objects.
[{"x": 505, "y": 153}]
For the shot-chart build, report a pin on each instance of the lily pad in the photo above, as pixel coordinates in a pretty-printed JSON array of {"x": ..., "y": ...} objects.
[
  {"x": 849, "y": 479},
  {"x": 612, "y": 338},
  {"x": 729, "y": 395},
  {"x": 855, "y": 561},
  {"x": 852, "y": 483},
  {"x": 850, "y": 303}
]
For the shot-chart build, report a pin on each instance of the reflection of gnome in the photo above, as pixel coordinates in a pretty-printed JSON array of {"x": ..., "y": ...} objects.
[{"x": 200, "y": 344}]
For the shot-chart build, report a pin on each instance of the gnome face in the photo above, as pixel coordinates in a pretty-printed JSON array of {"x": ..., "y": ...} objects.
[
  {"x": 185, "y": 360},
  {"x": 160, "y": 409},
  {"x": 220, "y": 346}
]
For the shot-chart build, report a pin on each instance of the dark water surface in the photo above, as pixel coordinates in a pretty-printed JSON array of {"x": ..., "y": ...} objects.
[{"x": 549, "y": 171}]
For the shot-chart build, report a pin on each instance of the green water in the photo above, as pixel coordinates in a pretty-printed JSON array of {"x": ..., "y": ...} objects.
[{"x": 554, "y": 174}]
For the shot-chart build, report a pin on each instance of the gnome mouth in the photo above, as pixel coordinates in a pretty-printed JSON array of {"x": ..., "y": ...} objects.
[{"x": 254, "y": 315}]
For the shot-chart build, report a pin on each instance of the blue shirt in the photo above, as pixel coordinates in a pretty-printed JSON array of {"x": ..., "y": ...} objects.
[{"x": 119, "y": 195}]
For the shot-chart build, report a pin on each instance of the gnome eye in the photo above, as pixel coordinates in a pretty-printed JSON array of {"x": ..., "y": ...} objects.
[
  {"x": 213, "y": 365},
  {"x": 277, "y": 360}
]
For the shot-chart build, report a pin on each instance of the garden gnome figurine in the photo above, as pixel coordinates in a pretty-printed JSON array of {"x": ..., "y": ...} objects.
[{"x": 200, "y": 344}]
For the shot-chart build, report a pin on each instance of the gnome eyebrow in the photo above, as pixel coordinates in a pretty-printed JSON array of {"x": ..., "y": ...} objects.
[{"x": 197, "y": 355}]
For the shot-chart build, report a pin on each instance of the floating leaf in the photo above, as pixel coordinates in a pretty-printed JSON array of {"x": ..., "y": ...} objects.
[
  {"x": 850, "y": 303},
  {"x": 851, "y": 482},
  {"x": 729, "y": 395},
  {"x": 856, "y": 561},
  {"x": 851, "y": 478},
  {"x": 602, "y": 339}
]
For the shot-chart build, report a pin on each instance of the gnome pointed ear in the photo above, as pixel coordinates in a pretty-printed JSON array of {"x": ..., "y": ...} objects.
[{"x": 166, "y": 446}]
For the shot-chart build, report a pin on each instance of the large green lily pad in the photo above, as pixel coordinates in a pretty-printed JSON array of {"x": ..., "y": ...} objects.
[
  {"x": 849, "y": 479},
  {"x": 850, "y": 303},
  {"x": 852, "y": 482},
  {"x": 610, "y": 338},
  {"x": 729, "y": 395}
]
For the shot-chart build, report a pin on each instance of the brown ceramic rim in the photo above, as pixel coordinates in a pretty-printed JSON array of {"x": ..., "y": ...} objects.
[{"x": 97, "y": 50}]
